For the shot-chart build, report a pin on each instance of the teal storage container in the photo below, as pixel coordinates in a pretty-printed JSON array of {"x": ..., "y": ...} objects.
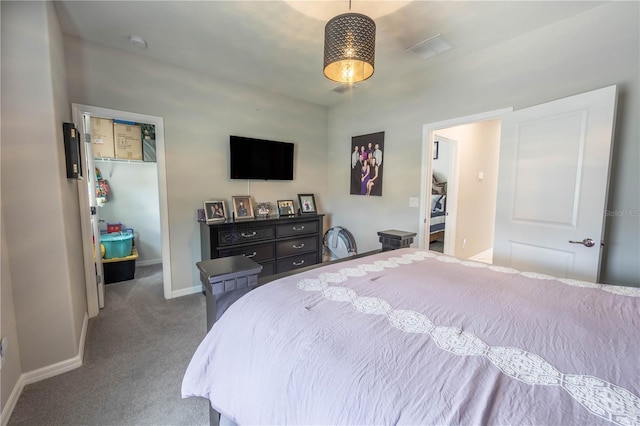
[{"x": 117, "y": 244}]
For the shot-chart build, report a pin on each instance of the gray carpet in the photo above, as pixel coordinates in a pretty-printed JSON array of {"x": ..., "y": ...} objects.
[
  {"x": 436, "y": 246},
  {"x": 136, "y": 352}
]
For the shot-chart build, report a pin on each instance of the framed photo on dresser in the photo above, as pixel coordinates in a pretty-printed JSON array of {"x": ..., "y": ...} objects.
[
  {"x": 307, "y": 204},
  {"x": 242, "y": 207},
  {"x": 285, "y": 208},
  {"x": 215, "y": 211}
]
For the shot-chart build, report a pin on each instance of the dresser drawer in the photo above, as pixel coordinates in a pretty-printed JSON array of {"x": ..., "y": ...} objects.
[
  {"x": 238, "y": 236},
  {"x": 296, "y": 246},
  {"x": 297, "y": 229},
  {"x": 256, "y": 252},
  {"x": 295, "y": 262}
]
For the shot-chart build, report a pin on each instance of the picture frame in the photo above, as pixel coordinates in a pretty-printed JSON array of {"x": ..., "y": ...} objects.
[
  {"x": 367, "y": 165},
  {"x": 307, "y": 204},
  {"x": 215, "y": 211},
  {"x": 263, "y": 210},
  {"x": 242, "y": 207},
  {"x": 286, "y": 208}
]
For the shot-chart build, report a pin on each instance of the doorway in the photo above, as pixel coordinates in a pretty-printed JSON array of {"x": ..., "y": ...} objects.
[
  {"x": 554, "y": 161},
  {"x": 465, "y": 159},
  {"x": 93, "y": 273}
]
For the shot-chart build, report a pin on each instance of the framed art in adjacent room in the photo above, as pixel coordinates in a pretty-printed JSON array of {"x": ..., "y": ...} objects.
[
  {"x": 285, "y": 208},
  {"x": 215, "y": 211},
  {"x": 242, "y": 207},
  {"x": 307, "y": 204}
]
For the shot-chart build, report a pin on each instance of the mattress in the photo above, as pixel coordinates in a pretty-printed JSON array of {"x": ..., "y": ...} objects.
[{"x": 416, "y": 337}]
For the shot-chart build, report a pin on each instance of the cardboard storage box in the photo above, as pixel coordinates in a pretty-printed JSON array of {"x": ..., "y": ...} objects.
[
  {"x": 102, "y": 142},
  {"x": 128, "y": 141}
]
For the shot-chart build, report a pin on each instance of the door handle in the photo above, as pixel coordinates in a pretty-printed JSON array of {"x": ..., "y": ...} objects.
[{"x": 587, "y": 242}]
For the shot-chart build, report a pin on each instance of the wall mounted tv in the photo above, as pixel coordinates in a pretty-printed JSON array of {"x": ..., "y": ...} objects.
[{"x": 260, "y": 159}]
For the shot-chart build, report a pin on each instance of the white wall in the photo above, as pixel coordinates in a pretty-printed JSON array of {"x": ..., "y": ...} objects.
[
  {"x": 199, "y": 114},
  {"x": 595, "y": 49},
  {"x": 133, "y": 201},
  {"x": 39, "y": 205}
]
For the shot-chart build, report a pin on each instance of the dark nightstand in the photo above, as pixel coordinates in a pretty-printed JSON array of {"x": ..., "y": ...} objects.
[
  {"x": 393, "y": 239},
  {"x": 225, "y": 280}
]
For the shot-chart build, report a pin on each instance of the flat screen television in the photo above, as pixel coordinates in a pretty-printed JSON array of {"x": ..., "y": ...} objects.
[{"x": 260, "y": 159}]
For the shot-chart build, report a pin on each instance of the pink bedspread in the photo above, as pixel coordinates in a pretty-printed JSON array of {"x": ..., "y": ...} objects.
[{"x": 414, "y": 337}]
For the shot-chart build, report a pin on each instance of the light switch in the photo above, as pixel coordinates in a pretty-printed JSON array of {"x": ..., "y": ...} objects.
[
  {"x": 414, "y": 201},
  {"x": 480, "y": 175}
]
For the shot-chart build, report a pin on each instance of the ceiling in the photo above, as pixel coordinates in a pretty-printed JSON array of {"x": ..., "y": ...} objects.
[{"x": 278, "y": 45}]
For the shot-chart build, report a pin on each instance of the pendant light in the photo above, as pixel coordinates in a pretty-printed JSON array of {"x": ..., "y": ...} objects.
[{"x": 349, "y": 47}]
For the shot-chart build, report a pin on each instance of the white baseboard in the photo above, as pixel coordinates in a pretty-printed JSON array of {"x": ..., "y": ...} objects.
[
  {"x": 485, "y": 256},
  {"x": 148, "y": 262},
  {"x": 45, "y": 373},
  {"x": 186, "y": 292},
  {"x": 12, "y": 401}
]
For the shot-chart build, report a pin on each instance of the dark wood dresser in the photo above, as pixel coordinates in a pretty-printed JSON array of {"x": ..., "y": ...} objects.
[{"x": 278, "y": 244}]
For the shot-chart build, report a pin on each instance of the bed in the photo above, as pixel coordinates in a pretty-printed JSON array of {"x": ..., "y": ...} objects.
[{"x": 416, "y": 337}]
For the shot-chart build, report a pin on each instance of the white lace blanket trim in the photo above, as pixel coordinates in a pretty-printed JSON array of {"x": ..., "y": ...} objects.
[{"x": 600, "y": 397}]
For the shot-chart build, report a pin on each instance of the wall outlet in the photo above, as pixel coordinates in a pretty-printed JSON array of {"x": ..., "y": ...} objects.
[{"x": 414, "y": 201}]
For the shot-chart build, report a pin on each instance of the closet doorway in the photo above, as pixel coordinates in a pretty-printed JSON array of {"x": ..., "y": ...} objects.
[{"x": 89, "y": 204}]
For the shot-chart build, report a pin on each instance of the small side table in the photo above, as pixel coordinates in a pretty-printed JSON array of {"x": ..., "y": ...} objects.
[
  {"x": 393, "y": 239},
  {"x": 225, "y": 280}
]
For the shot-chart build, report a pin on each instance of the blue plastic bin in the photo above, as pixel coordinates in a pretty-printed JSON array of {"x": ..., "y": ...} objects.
[{"x": 117, "y": 244}]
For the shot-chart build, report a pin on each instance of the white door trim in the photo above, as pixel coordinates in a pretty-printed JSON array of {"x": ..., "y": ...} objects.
[
  {"x": 428, "y": 135},
  {"x": 79, "y": 110}
]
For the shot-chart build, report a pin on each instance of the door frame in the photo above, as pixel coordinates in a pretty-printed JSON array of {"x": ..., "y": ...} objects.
[
  {"x": 78, "y": 111},
  {"x": 429, "y": 131}
]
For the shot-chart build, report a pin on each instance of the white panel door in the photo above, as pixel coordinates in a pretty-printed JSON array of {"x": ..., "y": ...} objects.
[
  {"x": 552, "y": 185},
  {"x": 89, "y": 219}
]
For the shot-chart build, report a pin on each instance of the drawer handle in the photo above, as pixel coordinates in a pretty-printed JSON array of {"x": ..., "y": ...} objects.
[
  {"x": 298, "y": 247},
  {"x": 298, "y": 263},
  {"x": 298, "y": 228},
  {"x": 250, "y": 255},
  {"x": 248, "y": 235}
]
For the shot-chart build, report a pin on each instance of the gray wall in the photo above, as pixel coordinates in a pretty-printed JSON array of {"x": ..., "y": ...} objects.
[
  {"x": 199, "y": 114},
  {"x": 595, "y": 49},
  {"x": 39, "y": 205}
]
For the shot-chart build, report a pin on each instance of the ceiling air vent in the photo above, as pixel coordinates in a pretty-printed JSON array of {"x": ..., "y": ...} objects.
[
  {"x": 431, "y": 47},
  {"x": 343, "y": 88}
]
